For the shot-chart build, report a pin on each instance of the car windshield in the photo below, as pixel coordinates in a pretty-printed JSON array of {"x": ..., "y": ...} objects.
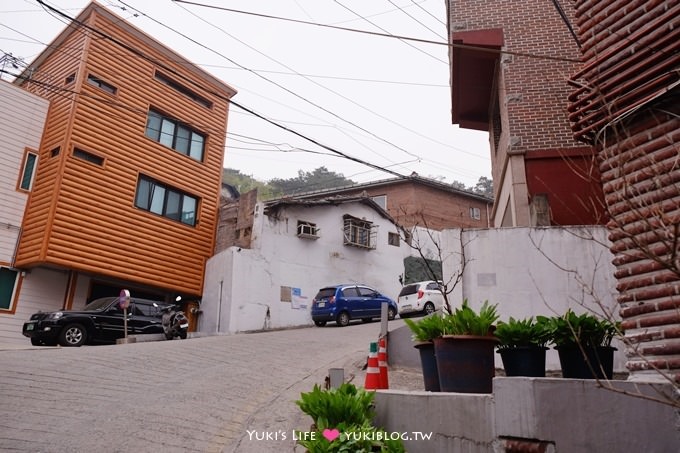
[{"x": 100, "y": 304}]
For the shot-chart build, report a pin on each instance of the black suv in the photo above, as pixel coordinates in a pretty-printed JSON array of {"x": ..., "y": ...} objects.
[{"x": 101, "y": 321}]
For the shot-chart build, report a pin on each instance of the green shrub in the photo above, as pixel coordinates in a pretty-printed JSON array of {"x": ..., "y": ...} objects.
[
  {"x": 427, "y": 328},
  {"x": 523, "y": 332},
  {"x": 346, "y": 404},
  {"x": 585, "y": 329},
  {"x": 464, "y": 320},
  {"x": 353, "y": 439}
]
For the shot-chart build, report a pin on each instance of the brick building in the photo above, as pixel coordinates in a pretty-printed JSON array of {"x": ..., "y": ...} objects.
[
  {"x": 626, "y": 103},
  {"x": 417, "y": 201},
  {"x": 541, "y": 175}
]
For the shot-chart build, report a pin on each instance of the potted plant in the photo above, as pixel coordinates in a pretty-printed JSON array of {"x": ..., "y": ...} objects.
[
  {"x": 464, "y": 351},
  {"x": 423, "y": 332},
  {"x": 583, "y": 343},
  {"x": 522, "y": 345}
]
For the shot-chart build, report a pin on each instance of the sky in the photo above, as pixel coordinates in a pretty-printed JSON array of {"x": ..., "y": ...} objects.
[{"x": 379, "y": 99}]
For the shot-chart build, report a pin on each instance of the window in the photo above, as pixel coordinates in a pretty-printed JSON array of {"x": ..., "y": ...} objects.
[
  {"x": 381, "y": 201},
  {"x": 8, "y": 284},
  {"x": 393, "y": 239},
  {"x": 175, "y": 135},
  {"x": 307, "y": 230},
  {"x": 55, "y": 152},
  {"x": 182, "y": 89},
  {"x": 359, "y": 233},
  {"x": 88, "y": 157},
  {"x": 475, "y": 213},
  {"x": 166, "y": 201},
  {"x": 28, "y": 171},
  {"x": 70, "y": 79},
  {"x": 96, "y": 81}
]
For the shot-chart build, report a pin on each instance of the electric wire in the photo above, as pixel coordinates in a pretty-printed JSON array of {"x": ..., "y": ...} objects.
[
  {"x": 416, "y": 20},
  {"x": 142, "y": 55},
  {"x": 335, "y": 115},
  {"x": 390, "y": 34}
]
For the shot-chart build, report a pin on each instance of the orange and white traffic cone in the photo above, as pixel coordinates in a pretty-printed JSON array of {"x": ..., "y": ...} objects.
[
  {"x": 372, "y": 381},
  {"x": 382, "y": 363}
]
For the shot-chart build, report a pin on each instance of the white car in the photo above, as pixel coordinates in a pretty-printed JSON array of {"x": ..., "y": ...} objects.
[{"x": 420, "y": 297}]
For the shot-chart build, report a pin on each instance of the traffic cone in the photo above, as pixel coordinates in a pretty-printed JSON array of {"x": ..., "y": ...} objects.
[
  {"x": 382, "y": 363},
  {"x": 372, "y": 381}
]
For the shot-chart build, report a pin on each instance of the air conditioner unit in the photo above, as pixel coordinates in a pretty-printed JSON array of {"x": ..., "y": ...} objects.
[{"x": 307, "y": 230}]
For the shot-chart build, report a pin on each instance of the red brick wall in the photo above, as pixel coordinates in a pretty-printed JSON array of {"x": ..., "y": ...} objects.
[
  {"x": 627, "y": 105},
  {"x": 539, "y": 114}
]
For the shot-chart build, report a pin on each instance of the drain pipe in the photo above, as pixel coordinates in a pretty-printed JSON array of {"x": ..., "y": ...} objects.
[{"x": 219, "y": 307}]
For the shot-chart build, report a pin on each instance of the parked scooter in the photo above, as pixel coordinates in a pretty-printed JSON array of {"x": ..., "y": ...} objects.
[{"x": 175, "y": 322}]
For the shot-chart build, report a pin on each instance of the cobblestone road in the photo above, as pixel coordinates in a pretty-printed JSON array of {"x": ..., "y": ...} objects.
[{"x": 211, "y": 394}]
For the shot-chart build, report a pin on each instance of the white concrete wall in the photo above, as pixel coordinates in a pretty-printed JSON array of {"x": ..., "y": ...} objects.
[
  {"x": 569, "y": 415},
  {"x": 536, "y": 271},
  {"x": 252, "y": 278}
]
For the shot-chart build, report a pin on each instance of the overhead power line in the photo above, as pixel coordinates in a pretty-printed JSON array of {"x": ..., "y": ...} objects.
[
  {"x": 162, "y": 65},
  {"x": 386, "y": 35}
]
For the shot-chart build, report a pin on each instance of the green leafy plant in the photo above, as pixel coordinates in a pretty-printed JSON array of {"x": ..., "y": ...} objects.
[
  {"x": 362, "y": 438},
  {"x": 527, "y": 332},
  {"x": 427, "y": 328},
  {"x": 350, "y": 411},
  {"x": 465, "y": 321},
  {"x": 584, "y": 329},
  {"x": 345, "y": 404}
]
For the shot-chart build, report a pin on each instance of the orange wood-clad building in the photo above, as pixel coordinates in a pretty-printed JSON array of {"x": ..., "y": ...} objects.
[{"x": 128, "y": 181}]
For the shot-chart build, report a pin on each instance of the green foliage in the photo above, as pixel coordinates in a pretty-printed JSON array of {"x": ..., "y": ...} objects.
[
  {"x": 319, "y": 179},
  {"x": 427, "y": 328},
  {"x": 464, "y": 320},
  {"x": 585, "y": 329},
  {"x": 244, "y": 183},
  {"x": 362, "y": 438},
  {"x": 523, "y": 332},
  {"x": 349, "y": 410},
  {"x": 345, "y": 404}
]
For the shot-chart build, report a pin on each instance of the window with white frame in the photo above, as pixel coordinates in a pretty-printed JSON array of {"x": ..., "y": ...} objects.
[
  {"x": 359, "y": 232},
  {"x": 8, "y": 285},
  {"x": 393, "y": 239},
  {"x": 28, "y": 172},
  {"x": 307, "y": 230},
  {"x": 475, "y": 213}
]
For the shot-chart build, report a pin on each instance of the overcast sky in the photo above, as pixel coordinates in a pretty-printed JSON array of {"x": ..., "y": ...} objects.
[{"x": 380, "y": 99}]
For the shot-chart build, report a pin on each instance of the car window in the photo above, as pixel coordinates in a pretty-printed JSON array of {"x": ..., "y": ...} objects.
[
  {"x": 434, "y": 286},
  {"x": 408, "y": 290},
  {"x": 100, "y": 304},
  {"x": 366, "y": 292},
  {"x": 146, "y": 309},
  {"x": 325, "y": 293},
  {"x": 350, "y": 292}
]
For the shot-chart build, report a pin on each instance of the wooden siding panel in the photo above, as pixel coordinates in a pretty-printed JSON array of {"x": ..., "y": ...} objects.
[{"x": 95, "y": 226}]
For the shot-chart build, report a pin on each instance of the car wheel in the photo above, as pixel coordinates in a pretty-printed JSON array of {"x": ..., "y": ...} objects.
[
  {"x": 73, "y": 335},
  {"x": 320, "y": 323},
  {"x": 342, "y": 319},
  {"x": 429, "y": 308},
  {"x": 36, "y": 342},
  {"x": 391, "y": 313}
]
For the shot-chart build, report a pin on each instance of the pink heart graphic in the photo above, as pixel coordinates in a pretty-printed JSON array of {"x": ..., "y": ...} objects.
[{"x": 331, "y": 434}]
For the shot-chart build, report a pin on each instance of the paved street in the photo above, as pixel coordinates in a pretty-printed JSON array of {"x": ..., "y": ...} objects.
[{"x": 210, "y": 394}]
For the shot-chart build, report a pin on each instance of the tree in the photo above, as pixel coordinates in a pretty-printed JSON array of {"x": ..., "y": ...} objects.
[
  {"x": 245, "y": 183},
  {"x": 484, "y": 186},
  {"x": 320, "y": 178}
]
